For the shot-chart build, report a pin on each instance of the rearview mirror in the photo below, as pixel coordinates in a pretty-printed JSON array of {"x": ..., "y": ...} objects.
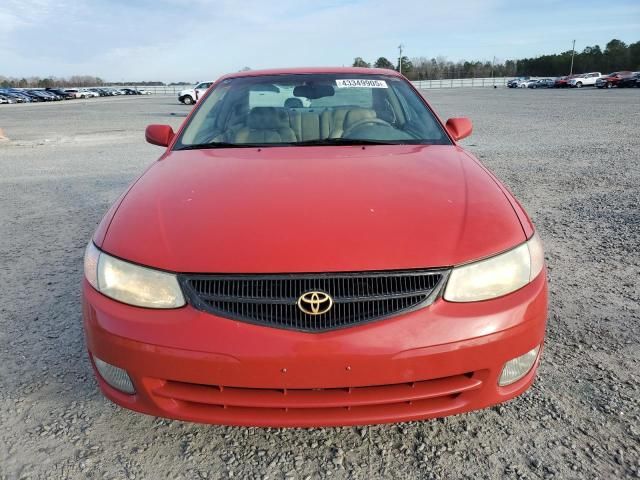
[
  {"x": 313, "y": 92},
  {"x": 459, "y": 128},
  {"x": 160, "y": 135}
]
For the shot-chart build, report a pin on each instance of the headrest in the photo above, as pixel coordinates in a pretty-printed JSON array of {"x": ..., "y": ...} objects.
[
  {"x": 268, "y": 118},
  {"x": 356, "y": 115},
  {"x": 293, "y": 102}
]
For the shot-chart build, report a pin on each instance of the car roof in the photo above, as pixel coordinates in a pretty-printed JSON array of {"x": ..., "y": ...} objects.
[{"x": 311, "y": 70}]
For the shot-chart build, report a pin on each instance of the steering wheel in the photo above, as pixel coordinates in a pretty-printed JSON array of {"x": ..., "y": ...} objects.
[{"x": 365, "y": 121}]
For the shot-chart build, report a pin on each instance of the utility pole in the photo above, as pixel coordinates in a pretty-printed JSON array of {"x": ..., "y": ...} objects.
[
  {"x": 400, "y": 47},
  {"x": 573, "y": 52},
  {"x": 493, "y": 76}
]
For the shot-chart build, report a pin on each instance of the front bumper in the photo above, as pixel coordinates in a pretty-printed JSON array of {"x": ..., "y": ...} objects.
[{"x": 441, "y": 360}]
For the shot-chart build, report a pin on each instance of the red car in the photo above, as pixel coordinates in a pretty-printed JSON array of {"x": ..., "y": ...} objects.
[
  {"x": 613, "y": 79},
  {"x": 563, "y": 82},
  {"x": 314, "y": 248}
]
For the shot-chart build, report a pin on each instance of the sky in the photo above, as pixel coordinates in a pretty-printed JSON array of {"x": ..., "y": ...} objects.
[{"x": 197, "y": 40}]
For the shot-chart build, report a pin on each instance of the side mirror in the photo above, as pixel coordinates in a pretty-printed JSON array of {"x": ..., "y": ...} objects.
[
  {"x": 160, "y": 135},
  {"x": 459, "y": 128}
]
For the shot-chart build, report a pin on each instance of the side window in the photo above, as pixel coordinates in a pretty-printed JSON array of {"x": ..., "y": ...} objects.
[
  {"x": 418, "y": 118},
  {"x": 204, "y": 122},
  {"x": 383, "y": 106},
  {"x": 410, "y": 113}
]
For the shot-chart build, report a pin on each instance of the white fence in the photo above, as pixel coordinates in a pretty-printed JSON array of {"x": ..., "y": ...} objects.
[
  {"x": 462, "y": 82},
  {"x": 167, "y": 90},
  {"x": 173, "y": 90}
]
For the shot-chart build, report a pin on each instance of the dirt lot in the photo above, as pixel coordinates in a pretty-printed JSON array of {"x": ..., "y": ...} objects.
[{"x": 571, "y": 157}]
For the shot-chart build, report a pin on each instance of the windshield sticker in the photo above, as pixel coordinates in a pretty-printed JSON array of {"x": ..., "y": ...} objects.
[{"x": 361, "y": 83}]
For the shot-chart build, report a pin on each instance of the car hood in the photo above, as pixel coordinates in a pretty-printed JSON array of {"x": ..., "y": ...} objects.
[{"x": 312, "y": 209}]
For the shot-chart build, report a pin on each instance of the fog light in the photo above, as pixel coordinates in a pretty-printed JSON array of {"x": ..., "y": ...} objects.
[
  {"x": 114, "y": 376},
  {"x": 517, "y": 368}
]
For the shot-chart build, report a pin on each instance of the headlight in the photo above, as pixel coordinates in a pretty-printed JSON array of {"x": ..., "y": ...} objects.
[
  {"x": 496, "y": 276},
  {"x": 129, "y": 283}
]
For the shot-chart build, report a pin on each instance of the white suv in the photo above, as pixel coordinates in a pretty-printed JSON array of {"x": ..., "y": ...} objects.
[
  {"x": 191, "y": 95},
  {"x": 586, "y": 79}
]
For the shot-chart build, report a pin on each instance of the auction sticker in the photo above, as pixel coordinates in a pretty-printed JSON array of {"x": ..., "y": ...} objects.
[{"x": 361, "y": 83}]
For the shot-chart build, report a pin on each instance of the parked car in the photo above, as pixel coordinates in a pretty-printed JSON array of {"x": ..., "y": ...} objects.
[
  {"x": 18, "y": 96},
  {"x": 584, "y": 80},
  {"x": 611, "y": 80},
  {"x": 38, "y": 95},
  {"x": 101, "y": 92},
  {"x": 30, "y": 96},
  {"x": 48, "y": 95},
  {"x": 129, "y": 91},
  {"x": 513, "y": 83},
  {"x": 629, "y": 80},
  {"x": 526, "y": 83},
  {"x": 6, "y": 99},
  {"x": 142, "y": 91},
  {"x": 191, "y": 95},
  {"x": 7, "y": 94},
  {"x": 75, "y": 92},
  {"x": 542, "y": 83},
  {"x": 62, "y": 93},
  {"x": 268, "y": 192},
  {"x": 89, "y": 92},
  {"x": 563, "y": 82}
]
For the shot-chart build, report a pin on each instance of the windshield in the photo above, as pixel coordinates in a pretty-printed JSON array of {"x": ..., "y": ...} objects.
[{"x": 311, "y": 109}]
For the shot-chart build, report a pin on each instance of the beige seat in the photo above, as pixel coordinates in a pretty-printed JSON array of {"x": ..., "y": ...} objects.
[
  {"x": 344, "y": 118},
  {"x": 307, "y": 125},
  {"x": 266, "y": 125},
  {"x": 357, "y": 115},
  {"x": 334, "y": 120}
]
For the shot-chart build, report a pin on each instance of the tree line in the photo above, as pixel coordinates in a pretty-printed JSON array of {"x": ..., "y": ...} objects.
[
  {"x": 73, "y": 81},
  {"x": 49, "y": 82},
  {"x": 616, "y": 55}
]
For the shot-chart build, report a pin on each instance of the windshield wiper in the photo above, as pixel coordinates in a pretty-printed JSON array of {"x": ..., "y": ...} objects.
[
  {"x": 202, "y": 146},
  {"x": 344, "y": 141},
  {"x": 305, "y": 143}
]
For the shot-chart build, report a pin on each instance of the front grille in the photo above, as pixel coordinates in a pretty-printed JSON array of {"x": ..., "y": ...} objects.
[
  {"x": 272, "y": 300},
  {"x": 288, "y": 398},
  {"x": 318, "y": 406}
]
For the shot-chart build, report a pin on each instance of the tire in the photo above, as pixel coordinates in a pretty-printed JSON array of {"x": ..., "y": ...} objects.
[
  {"x": 609, "y": 85},
  {"x": 578, "y": 84},
  {"x": 187, "y": 100}
]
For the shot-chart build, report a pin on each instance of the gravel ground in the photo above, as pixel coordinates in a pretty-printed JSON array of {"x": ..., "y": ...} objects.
[{"x": 571, "y": 157}]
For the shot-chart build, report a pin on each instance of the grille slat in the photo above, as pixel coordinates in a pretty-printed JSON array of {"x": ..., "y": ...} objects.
[
  {"x": 272, "y": 299},
  {"x": 318, "y": 397}
]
